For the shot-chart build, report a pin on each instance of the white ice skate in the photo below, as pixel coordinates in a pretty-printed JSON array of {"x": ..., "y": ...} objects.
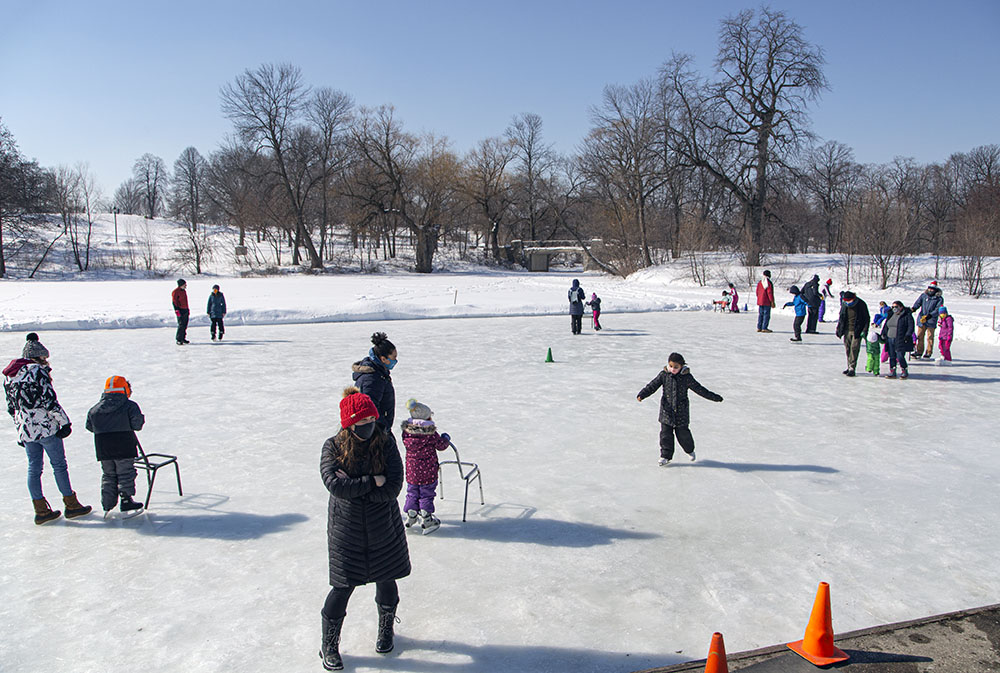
[
  {"x": 429, "y": 523},
  {"x": 664, "y": 462}
]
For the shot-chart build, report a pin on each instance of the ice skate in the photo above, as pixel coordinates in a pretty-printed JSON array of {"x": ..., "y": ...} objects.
[
  {"x": 429, "y": 523},
  {"x": 129, "y": 507},
  {"x": 692, "y": 456},
  {"x": 664, "y": 462},
  {"x": 411, "y": 518}
]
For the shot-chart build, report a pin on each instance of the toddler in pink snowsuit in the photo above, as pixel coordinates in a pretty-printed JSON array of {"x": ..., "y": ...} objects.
[
  {"x": 946, "y": 330},
  {"x": 422, "y": 442}
]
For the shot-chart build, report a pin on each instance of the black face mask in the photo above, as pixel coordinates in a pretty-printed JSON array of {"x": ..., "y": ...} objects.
[{"x": 363, "y": 431}]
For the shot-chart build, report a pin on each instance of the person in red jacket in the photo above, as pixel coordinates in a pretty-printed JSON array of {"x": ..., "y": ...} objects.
[
  {"x": 179, "y": 298},
  {"x": 765, "y": 302}
]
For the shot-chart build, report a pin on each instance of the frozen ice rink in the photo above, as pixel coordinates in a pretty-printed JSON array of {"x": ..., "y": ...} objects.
[{"x": 586, "y": 556}]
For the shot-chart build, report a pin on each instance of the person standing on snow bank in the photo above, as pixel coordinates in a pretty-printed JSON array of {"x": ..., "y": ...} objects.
[
  {"x": 422, "y": 442},
  {"x": 371, "y": 376},
  {"x": 595, "y": 306},
  {"x": 41, "y": 424},
  {"x": 897, "y": 331},
  {"x": 366, "y": 541},
  {"x": 801, "y": 308},
  {"x": 928, "y": 304},
  {"x": 812, "y": 298},
  {"x": 675, "y": 414},
  {"x": 114, "y": 421},
  {"x": 217, "y": 311},
  {"x": 852, "y": 325},
  {"x": 765, "y": 302},
  {"x": 179, "y": 298},
  {"x": 576, "y": 297}
]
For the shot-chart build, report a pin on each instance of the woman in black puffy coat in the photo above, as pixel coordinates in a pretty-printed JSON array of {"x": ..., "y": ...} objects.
[
  {"x": 371, "y": 376},
  {"x": 363, "y": 472}
]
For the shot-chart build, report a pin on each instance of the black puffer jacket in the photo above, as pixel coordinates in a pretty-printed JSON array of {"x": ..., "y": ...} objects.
[
  {"x": 903, "y": 324},
  {"x": 365, "y": 535},
  {"x": 674, "y": 406},
  {"x": 372, "y": 378},
  {"x": 861, "y": 318},
  {"x": 810, "y": 293},
  {"x": 114, "y": 421}
]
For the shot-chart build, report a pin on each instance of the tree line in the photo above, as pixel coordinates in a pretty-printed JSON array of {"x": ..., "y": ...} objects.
[{"x": 674, "y": 164}]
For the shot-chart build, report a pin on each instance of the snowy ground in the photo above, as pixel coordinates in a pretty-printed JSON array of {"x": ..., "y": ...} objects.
[{"x": 586, "y": 556}]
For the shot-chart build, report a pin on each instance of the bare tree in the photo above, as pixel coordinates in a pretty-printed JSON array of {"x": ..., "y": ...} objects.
[
  {"x": 831, "y": 175},
  {"x": 535, "y": 159},
  {"x": 622, "y": 155},
  {"x": 330, "y": 113},
  {"x": 754, "y": 116},
  {"x": 487, "y": 183},
  {"x": 265, "y": 104},
  {"x": 187, "y": 202},
  {"x": 128, "y": 197},
  {"x": 150, "y": 173}
]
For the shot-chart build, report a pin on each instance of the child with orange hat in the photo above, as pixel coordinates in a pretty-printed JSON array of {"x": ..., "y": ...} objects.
[{"x": 114, "y": 421}]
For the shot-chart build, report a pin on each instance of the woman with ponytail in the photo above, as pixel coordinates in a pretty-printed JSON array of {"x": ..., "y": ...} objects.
[{"x": 371, "y": 376}]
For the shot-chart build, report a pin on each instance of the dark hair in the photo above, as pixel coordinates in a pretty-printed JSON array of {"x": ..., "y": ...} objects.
[
  {"x": 767, "y": 273},
  {"x": 731, "y": 285},
  {"x": 31, "y": 337},
  {"x": 848, "y": 295},
  {"x": 357, "y": 456},
  {"x": 676, "y": 357},
  {"x": 383, "y": 347},
  {"x": 181, "y": 281}
]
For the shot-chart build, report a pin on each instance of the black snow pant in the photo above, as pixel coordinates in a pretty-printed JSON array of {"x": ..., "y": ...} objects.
[
  {"x": 576, "y": 323},
  {"x": 217, "y": 322},
  {"x": 684, "y": 438},
  {"x": 813, "y": 319},
  {"x": 797, "y": 326},
  {"x": 118, "y": 477},
  {"x": 386, "y": 593},
  {"x": 182, "y": 324}
]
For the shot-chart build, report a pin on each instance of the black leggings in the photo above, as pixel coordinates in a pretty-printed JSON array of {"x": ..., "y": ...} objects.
[{"x": 386, "y": 593}]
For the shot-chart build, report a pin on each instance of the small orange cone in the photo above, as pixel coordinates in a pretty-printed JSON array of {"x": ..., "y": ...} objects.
[
  {"x": 716, "y": 662},
  {"x": 817, "y": 647}
]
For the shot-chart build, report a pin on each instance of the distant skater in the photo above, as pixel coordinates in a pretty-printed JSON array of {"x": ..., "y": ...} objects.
[
  {"x": 801, "y": 308},
  {"x": 765, "y": 302},
  {"x": 811, "y": 296},
  {"x": 946, "y": 330},
  {"x": 734, "y": 299},
  {"x": 595, "y": 306},
  {"x": 179, "y": 298},
  {"x": 675, "y": 414},
  {"x": 825, "y": 293},
  {"x": 217, "y": 311},
  {"x": 576, "y": 297}
]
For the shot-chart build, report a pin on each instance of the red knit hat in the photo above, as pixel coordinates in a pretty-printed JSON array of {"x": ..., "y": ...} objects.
[{"x": 355, "y": 406}]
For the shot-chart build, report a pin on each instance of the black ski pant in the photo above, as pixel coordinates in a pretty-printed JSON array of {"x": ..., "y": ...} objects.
[
  {"x": 684, "y": 438},
  {"x": 217, "y": 322},
  {"x": 813, "y": 319},
  {"x": 576, "y": 323},
  {"x": 386, "y": 593},
  {"x": 118, "y": 477},
  {"x": 797, "y": 326},
  {"x": 182, "y": 324}
]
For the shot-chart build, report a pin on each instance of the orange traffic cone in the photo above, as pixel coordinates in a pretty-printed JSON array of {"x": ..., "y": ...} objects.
[
  {"x": 716, "y": 662},
  {"x": 817, "y": 647}
]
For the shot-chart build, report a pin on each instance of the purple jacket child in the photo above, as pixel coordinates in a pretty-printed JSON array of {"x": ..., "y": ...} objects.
[
  {"x": 422, "y": 442},
  {"x": 946, "y": 332}
]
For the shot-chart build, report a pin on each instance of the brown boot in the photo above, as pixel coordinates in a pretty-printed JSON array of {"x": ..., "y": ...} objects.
[
  {"x": 74, "y": 508},
  {"x": 44, "y": 513}
]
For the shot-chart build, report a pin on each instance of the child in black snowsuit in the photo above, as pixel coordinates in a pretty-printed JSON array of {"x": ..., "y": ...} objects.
[
  {"x": 114, "y": 421},
  {"x": 675, "y": 416}
]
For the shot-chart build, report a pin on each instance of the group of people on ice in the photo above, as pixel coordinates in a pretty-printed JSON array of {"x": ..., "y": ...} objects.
[
  {"x": 576, "y": 297},
  {"x": 216, "y": 311}
]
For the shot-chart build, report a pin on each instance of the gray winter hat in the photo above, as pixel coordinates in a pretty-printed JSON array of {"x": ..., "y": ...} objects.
[
  {"x": 33, "y": 348},
  {"x": 419, "y": 411}
]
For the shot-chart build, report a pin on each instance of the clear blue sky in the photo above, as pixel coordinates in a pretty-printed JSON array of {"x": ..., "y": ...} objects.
[{"x": 105, "y": 82}]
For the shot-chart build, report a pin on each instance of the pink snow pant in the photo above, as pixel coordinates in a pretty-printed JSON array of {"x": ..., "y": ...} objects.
[
  {"x": 420, "y": 496},
  {"x": 885, "y": 353},
  {"x": 945, "y": 346}
]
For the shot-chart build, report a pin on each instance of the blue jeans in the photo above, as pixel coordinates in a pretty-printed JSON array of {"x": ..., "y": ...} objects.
[
  {"x": 53, "y": 446},
  {"x": 763, "y": 316}
]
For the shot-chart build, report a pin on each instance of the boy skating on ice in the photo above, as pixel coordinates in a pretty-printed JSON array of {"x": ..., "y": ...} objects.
[
  {"x": 801, "y": 308},
  {"x": 675, "y": 416},
  {"x": 114, "y": 421},
  {"x": 422, "y": 442},
  {"x": 216, "y": 310}
]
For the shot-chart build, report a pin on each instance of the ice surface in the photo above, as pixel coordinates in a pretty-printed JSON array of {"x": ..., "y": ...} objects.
[{"x": 586, "y": 556}]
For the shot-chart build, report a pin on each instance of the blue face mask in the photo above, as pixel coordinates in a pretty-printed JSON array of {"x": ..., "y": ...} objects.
[{"x": 392, "y": 363}]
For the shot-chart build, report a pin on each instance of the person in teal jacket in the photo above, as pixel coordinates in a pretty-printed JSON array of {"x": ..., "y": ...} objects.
[
  {"x": 217, "y": 311},
  {"x": 801, "y": 309}
]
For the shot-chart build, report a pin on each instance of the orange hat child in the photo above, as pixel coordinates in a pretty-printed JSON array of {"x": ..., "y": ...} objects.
[{"x": 118, "y": 384}]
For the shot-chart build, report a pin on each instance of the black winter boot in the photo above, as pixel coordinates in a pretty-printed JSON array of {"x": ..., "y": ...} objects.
[
  {"x": 44, "y": 513},
  {"x": 128, "y": 504},
  {"x": 330, "y": 647},
  {"x": 386, "y": 619}
]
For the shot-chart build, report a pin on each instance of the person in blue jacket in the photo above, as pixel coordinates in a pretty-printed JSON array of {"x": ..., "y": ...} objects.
[
  {"x": 801, "y": 309},
  {"x": 217, "y": 311}
]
